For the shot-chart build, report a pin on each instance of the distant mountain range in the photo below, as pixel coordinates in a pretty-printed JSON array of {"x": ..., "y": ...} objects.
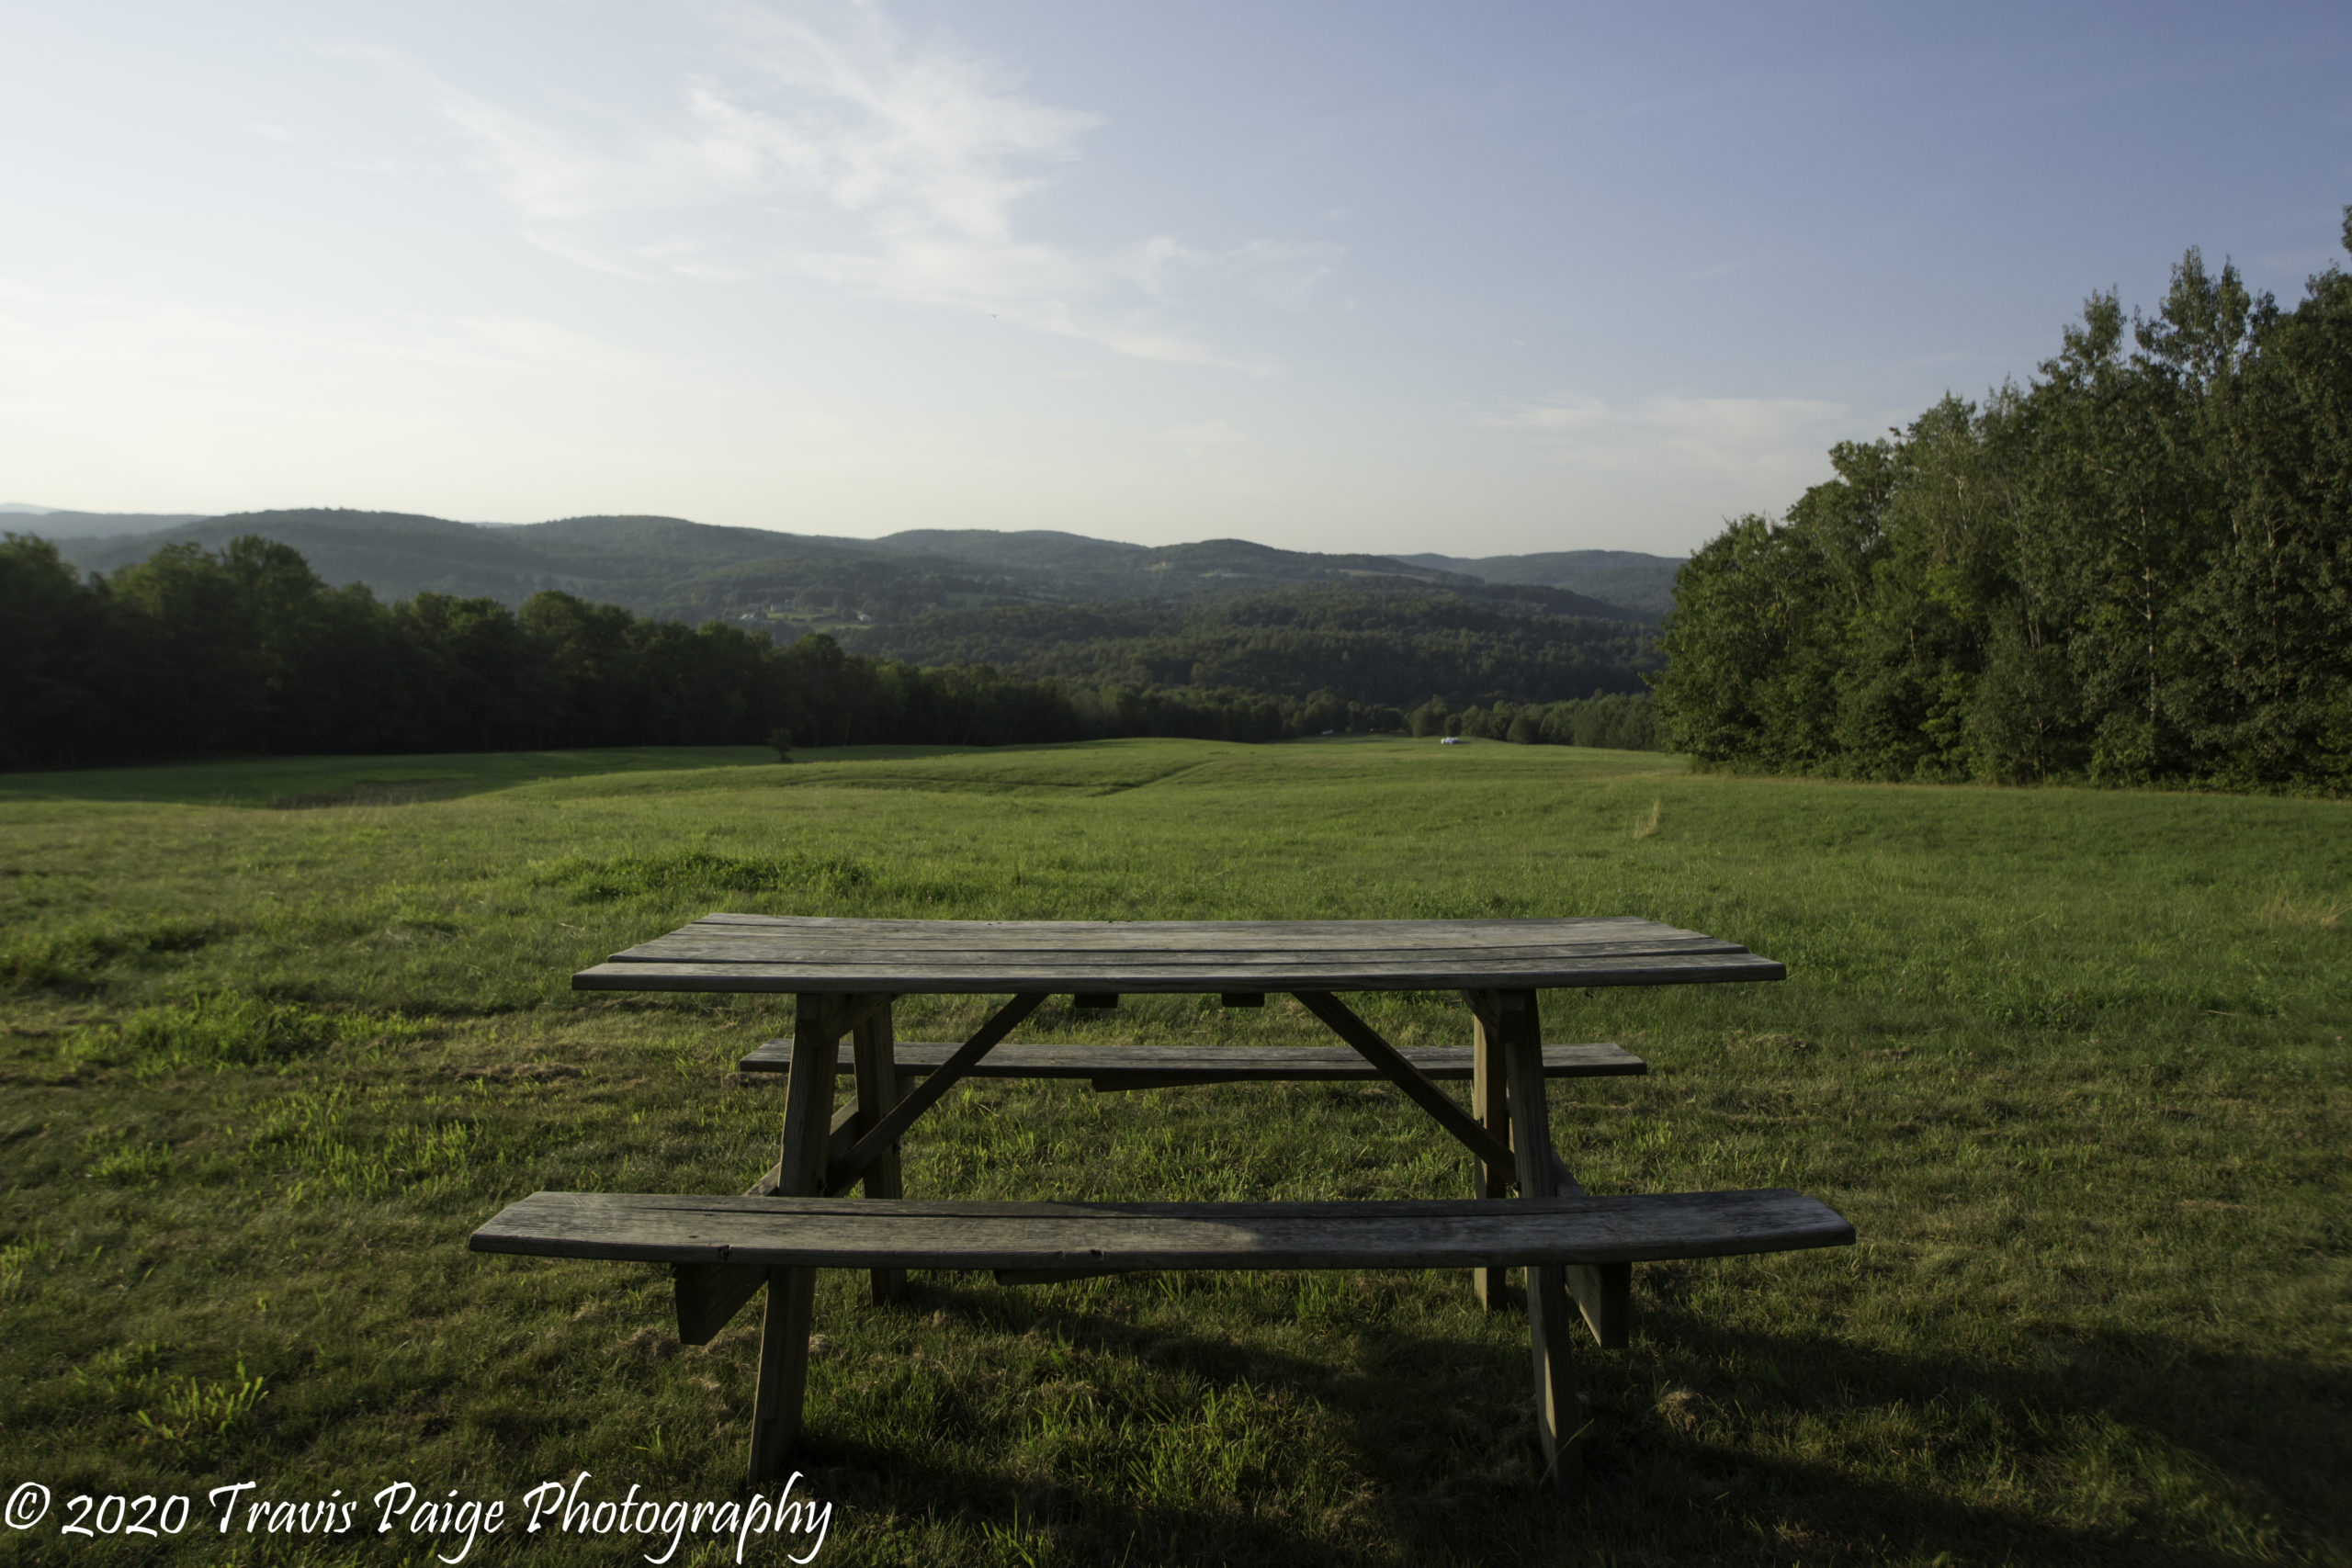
[
  {"x": 1629, "y": 578},
  {"x": 61, "y": 525},
  {"x": 694, "y": 571}
]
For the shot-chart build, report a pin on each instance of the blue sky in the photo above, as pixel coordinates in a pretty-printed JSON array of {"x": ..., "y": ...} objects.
[{"x": 1482, "y": 279}]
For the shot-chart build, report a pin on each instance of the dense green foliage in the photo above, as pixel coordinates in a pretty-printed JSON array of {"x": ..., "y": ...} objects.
[
  {"x": 1631, "y": 580},
  {"x": 193, "y": 652},
  {"x": 1623, "y": 722},
  {"x": 2069, "y": 1060},
  {"x": 2138, "y": 567},
  {"x": 1390, "y": 646}
]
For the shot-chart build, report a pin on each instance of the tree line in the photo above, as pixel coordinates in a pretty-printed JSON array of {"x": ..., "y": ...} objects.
[
  {"x": 1621, "y": 721},
  {"x": 245, "y": 650},
  {"x": 2136, "y": 568},
  {"x": 1388, "y": 645}
]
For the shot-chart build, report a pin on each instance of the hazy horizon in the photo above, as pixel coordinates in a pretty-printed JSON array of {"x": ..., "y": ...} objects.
[{"x": 25, "y": 508}]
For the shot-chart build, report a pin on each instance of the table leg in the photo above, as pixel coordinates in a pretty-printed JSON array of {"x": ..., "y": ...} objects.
[
  {"x": 1490, "y": 1104},
  {"x": 1560, "y": 1409},
  {"x": 1603, "y": 1291},
  {"x": 877, "y": 1089},
  {"x": 791, "y": 1304}
]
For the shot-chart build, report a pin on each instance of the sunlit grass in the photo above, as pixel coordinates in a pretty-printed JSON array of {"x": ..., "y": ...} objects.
[{"x": 2071, "y": 1061}]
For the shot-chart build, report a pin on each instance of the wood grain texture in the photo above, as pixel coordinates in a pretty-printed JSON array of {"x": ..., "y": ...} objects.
[
  {"x": 708, "y": 1295},
  {"x": 819, "y": 1022},
  {"x": 1559, "y": 1409},
  {"x": 1169, "y": 933},
  {"x": 1143, "y": 979},
  {"x": 780, "y": 1395},
  {"x": 1491, "y": 1105},
  {"x": 806, "y": 1153},
  {"x": 1209, "y": 1064},
  {"x": 873, "y": 1051},
  {"x": 913, "y": 1233},
  {"x": 747, "y": 953}
]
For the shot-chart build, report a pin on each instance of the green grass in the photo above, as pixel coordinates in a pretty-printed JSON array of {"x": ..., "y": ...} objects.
[{"x": 2071, "y": 1061}]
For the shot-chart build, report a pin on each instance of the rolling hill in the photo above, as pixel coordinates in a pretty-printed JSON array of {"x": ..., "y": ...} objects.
[
  {"x": 1629, "y": 578},
  {"x": 692, "y": 572}
]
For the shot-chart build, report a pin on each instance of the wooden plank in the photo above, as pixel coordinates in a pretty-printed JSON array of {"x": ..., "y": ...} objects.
[
  {"x": 809, "y": 1100},
  {"x": 781, "y": 1390},
  {"x": 1560, "y": 1409},
  {"x": 1214, "y": 936},
  {"x": 838, "y": 1139},
  {"x": 845, "y": 927},
  {"x": 847, "y": 1014},
  {"x": 708, "y": 1295},
  {"x": 914, "y": 1233},
  {"x": 1490, "y": 1104},
  {"x": 885, "y": 1132},
  {"x": 875, "y": 1068},
  {"x": 1206, "y": 1064},
  {"x": 689, "y": 948},
  {"x": 693, "y": 947},
  {"x": 1603, "y": 1291},
  {"x": 1143, "y": 976},
  {"x": 1343, "y": 1023}
]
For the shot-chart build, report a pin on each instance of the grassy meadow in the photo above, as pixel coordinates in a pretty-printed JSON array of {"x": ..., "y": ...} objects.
[{"x": 278, "y": 1034}]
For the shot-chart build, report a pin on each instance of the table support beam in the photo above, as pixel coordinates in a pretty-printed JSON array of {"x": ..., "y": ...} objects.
[
  {"x": 1490, "y": 1104},
  {"x": 1560, "y": 1409},
  {"x": 874, "y": 1044},
  {"x": 818, "y": 1024},
  {"x": 1603, "y": 1291},
  {"x": 710, "y": 1294},
  {"x": 1415, "y": 1084},
  {"x": 892, "y": 1125}
]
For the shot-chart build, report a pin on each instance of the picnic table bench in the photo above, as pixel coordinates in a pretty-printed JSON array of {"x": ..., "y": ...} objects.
[
  {"x": 1115, "y": 1068},
  {"x": 845, "y": 976}
]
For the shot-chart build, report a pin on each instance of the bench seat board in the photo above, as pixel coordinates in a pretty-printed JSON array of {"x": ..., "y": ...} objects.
[
  {"x": 1208, "y": 1063},
  {"x": 1109, "y": 1237}
]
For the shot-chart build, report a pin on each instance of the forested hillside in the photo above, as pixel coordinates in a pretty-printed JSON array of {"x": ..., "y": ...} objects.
[
  {"x": 2137, "y": 567},
  {"x": 1630, "y": 579},
  {"x": 64, "y": 524},
  {"x": 196, "y": 652},
  {"x": 1386, "y": 645},
  {"x": 782, "y": 583}
]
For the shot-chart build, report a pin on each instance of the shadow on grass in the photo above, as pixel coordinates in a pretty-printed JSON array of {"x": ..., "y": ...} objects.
[{"x": 1706, "y": 1444}]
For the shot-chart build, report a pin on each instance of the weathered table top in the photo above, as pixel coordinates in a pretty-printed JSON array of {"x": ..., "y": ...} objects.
[{"x": 767, "y": 953}]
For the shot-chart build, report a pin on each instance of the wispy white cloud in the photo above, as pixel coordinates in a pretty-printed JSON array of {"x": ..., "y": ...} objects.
[
  {"x": 235, "y": 403},
  {"x": 59, "y": 335},
  {"x": 1207, "y": 436},
  {"x": 1719, "y": 432},
  {"x": 1288, "y": 274},
  {"x": 1766, "y": 448},
  {"x": 848, "y": 155}
]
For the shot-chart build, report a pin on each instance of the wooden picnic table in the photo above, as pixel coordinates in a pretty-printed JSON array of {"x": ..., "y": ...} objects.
[{"x": 845, "y": 972}]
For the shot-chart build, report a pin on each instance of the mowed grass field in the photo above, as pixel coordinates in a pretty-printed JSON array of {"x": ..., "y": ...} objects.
[{"x": 2072, "y": 1062}]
